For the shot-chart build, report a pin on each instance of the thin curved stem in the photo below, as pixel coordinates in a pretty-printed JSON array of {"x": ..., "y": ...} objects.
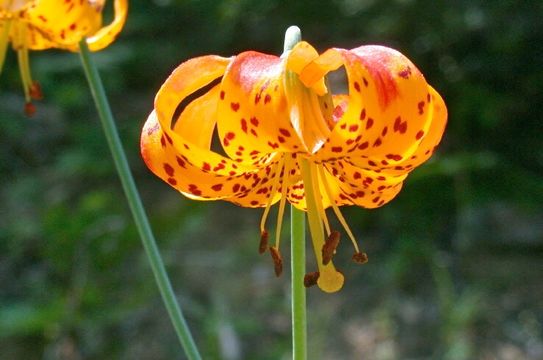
[{"x": 134, "y": 201}]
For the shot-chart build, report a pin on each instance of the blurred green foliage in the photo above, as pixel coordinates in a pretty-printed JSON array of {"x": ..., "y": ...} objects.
[{"x": 455, "y": 261}]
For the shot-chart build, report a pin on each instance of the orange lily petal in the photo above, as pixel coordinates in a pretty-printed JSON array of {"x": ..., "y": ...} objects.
[
  {"x": 208, "y": 177},
  {"x": 106, "y": 35},
  {"x": 64, "y": 24},
  {"x": 386, "y": 103},
  {"x": 252, "y": 113},
  {"x": 426, "y": 142},
  {"x": 182, "y": 157},
  {"x": 362, "y": 187}
]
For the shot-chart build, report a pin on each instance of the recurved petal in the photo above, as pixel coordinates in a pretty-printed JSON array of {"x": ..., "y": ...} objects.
[
  {"x": 204, "y": 175},
  {"x": 252, "y": 112},
  {"x": 107, "y": 34},
  {"x": 362, "y": 187},
  {"x": 427, "y": 141},
  {"x": 63, "y": 23},
  {"x": 387, "y": 103},
  {"x": 182, "y": 156}
]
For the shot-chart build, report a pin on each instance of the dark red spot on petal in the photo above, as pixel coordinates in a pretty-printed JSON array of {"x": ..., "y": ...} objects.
[
  {"x": 420, "y": 106},
  {"x": 353, "y": 128},
  {"x": 234, "y": 106},
  {"x": 357, "y": 175},
  {"x": 222, "y": 95},
  {"x": 172, "y": 181},
  {"x": 405, "y": 73},
  {"x": 394, "y": 157},
  {"x": 254, "y": 121},
  {"x": 337, "y": 149},
  {"x": 369, "y": 123},
  {"x": 217, "y": 187},
  {"x": 284, "y": 132},
  {"x": 168, "y": 169},
  {"x": 267, "y": 98},
  {"x": 356, "y": 86},
  {"x": 363, "y": 114},
  {"x": 419, "y": 135},
  {"x": 244, "y": 125},
  {"x": 363, "y": 146}
]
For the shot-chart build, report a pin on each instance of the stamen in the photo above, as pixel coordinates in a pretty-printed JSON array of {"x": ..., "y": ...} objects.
[
  {"x": 282, "y": 201},
  {"x": 330, "y": 280},
  {"x": 311, "y": 278},
  {"x": 4, "y": 41},
  {"x": 264, "y": 236},
  {"x": 277, "y": 260},
  {"x": 35, "y": 91},
  {"x": 275, "y": 184},
  {"x": 360, "y": 257},
  {"x": 25, "y": 79},
  {"x": 29, "y": 109},
  {"x": 329, "y": 247},
  {"x": 336, "y": 209},
  {"x": 320, "y": 207}
]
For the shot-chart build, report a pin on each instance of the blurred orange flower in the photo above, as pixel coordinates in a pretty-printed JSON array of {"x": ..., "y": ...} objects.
[{"x": 44, "y": 24}]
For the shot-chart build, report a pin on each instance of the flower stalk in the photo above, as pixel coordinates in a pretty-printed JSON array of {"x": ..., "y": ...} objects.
[
  {"x": 297, "y": 234},
  {"x": 134, "y": 201}
]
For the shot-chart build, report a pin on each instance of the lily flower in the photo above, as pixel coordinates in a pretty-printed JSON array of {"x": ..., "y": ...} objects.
[
  {"x": 61, "y": 24},
  {"x": 286, "y": 137}
]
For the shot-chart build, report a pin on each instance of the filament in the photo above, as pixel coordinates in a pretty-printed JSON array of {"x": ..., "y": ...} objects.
[{"x": 336, "y": 209}]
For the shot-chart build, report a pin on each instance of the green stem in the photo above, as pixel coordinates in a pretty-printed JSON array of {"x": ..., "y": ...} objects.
[
  {"x": 297, "y": 257},
  {"x": 135, "y": 204},
  {"x": 293, "y": 36}
]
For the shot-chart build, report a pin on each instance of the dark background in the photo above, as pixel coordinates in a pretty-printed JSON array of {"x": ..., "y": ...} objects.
[{"x": 455, "y": 267}]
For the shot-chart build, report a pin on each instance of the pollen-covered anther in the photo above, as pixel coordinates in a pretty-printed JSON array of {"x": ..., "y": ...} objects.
[
  {"x": 30, "y": 109},
  {"x": 264, "y": 236},
  {"x": 277, "y": 260},
  {"x": 311, "y": 278},
  {"x": 360, "y": 257},
  {"x": 35, "y": 91},
  {"x": 330, "y": 246}
]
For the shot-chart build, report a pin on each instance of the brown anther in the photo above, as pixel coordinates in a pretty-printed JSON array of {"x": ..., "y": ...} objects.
[
  {"x": 277, "y": 260},
  {"x": 311, "y": 278},
  {"x": 360, "y": 258},
  {"x": 329, "y": 247},
  {"x": 263, "y": 242},
  {"x": 30, "y": 109},
  {"x": 35, "y": 91}
]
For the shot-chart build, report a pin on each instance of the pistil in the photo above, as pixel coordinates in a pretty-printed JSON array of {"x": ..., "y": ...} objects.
[{"x": 329, "y": 279}]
